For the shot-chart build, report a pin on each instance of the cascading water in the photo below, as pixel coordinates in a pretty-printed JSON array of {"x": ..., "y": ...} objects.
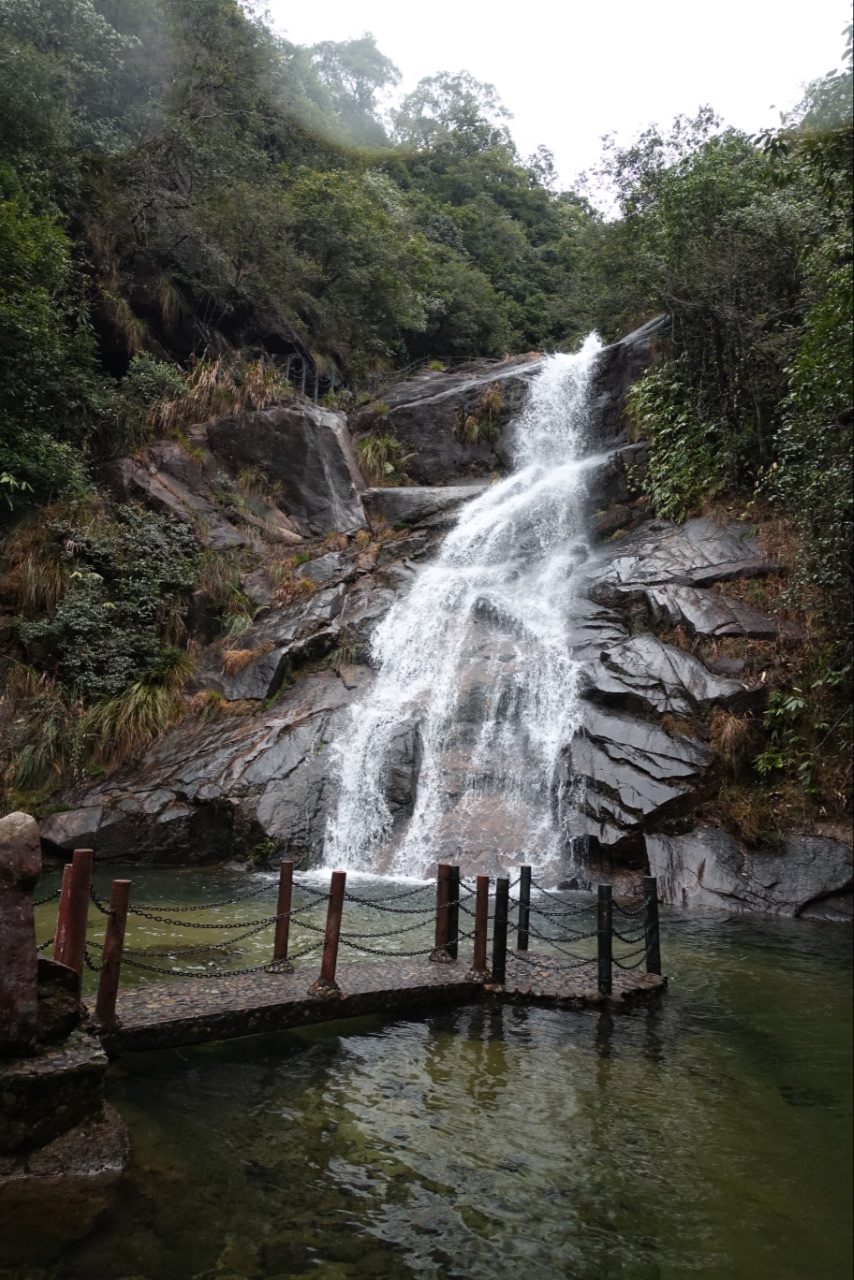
[{"x": 453, "y": 753}]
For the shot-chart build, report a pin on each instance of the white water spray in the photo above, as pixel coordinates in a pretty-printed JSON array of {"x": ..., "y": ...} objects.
[{"x": 475, "y": 683}]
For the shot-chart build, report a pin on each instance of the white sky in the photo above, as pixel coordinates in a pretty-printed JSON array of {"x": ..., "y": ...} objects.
[{"x": 571, "y": 72}]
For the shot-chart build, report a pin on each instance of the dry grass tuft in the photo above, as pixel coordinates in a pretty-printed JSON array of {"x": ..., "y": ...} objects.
[
  {"x": 734, "y": 739},
  {"x": 235, "y": 660}
]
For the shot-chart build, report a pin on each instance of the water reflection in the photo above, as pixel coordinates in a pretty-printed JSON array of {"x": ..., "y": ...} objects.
[{"x": 708, "y": 1135}]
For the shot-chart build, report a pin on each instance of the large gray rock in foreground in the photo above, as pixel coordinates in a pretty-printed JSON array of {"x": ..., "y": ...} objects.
[
  {"x": 306, "y": 453},
  {"x": 807, "y": 876},
  {"x": 210, "y": 790}
]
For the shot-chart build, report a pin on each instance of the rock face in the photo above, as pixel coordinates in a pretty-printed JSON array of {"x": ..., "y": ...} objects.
[
  {"x": 639, "y": 762},
  {"x": 189, "y": 488},
  {"x": 427, "y": 414},
  {"x": 618, "y": 367},
  {"x": 206, "y": 791},
  {"x": 807, "y": 876},
  {"x": 419, "y": 505},
  {"x": 306, "y": 453},
  {"x": 20, "y": 867}
]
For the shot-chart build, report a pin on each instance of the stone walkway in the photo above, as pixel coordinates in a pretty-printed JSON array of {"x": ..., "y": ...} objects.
[{"x": 168, "y": 1015}]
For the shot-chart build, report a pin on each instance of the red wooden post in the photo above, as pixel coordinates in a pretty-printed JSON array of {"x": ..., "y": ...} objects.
[
  {"x": 443, "y": 898},
  {"x": 114, "y": 940},
  {"x": 333, "y": 931},
  {"x": 62, "y": 914},
  {"x": 481, "y": 924},
  {"x": 74, "y": 944},
  {"x": 283, "y": 911}
]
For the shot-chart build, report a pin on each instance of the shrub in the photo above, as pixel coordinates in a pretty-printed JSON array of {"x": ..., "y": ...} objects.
[{"x": 382, "y": 459}]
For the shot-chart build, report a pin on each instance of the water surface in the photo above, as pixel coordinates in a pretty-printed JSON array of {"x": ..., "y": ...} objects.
[{"x": 709, "y": 1136}]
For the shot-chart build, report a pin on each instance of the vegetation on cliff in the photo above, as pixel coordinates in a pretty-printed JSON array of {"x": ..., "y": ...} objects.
[{"x": 192, "y": 209}]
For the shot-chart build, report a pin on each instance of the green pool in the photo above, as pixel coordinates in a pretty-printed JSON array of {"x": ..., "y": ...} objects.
[{"x": 708, "y": 1137}]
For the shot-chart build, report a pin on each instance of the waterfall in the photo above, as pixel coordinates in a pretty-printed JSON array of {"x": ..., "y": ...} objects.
[{"x": 452, "y": 754}]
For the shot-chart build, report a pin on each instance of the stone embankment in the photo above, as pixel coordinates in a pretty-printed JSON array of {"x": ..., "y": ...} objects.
[
  {"x": 651, "y": 613},
  {"x": 58, "y": 1138}
]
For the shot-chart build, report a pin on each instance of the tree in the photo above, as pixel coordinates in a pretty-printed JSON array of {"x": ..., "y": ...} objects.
[{"x": 357, "y": 76}]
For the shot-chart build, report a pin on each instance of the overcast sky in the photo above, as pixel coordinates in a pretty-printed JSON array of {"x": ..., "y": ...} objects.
[{"x": 571, "y": 72}]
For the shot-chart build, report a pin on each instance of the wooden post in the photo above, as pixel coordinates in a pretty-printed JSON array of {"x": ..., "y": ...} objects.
[
  {"x": 452, "y": 945},
  {"x": 61, "y": 931},
  {"x": 603, "y": 936},
  {"x": 481, "y": 926},
  {"x": 440, "y": 943},
  {"x": 650, "y": 924},
  {"x": 326, "y": 983},
  {"x": 74, "y": 943},
  {"x": 283, "y": 911},
  {"x": 114, "y": 941},
  {"x": 524, "y": 908},
  {"x": 499, "y": 931}
]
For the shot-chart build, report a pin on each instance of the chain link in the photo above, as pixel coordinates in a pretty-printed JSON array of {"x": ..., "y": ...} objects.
[
  {"x": 629, "y": 939},
  {"x": 43, "y": 946},
  {"x": 395, "y": 911},
  {"x": 629, "y": 912},
  {"x": 40, "y": 902}
]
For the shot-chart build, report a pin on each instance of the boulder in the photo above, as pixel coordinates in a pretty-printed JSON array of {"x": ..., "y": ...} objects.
[
  {"x": 306, "y": 453},
  {"x": 622, "y": 776},
  {"x": 696, "y": 554},
  {"x": 132, "y": 478},
  {"x": 257, "y": 661},
  {"x": 20, "y": 867},
  {"x": 419, "y": 505},
  {"x": 708, "y": 613},
  {"x": 708, "y": 868},
  {"x": 426, "y": 413},
  {"x": 644, "y": 674},
  {"x": 212, "y": 790}
]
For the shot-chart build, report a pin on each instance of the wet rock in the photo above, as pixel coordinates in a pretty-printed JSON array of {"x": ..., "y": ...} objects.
[
  {"x": 365, "y": 605},
  {"x": 209, "y": 791},
  {"x": 696, "y": 554},
  {"x": 258, "y": 660},
  {"x": 50, "y": 1092},
  {"x": 334, "y": 566},
  {"x": 617, "y": 368},
  {"x": 643, "y": 673},
  {"x": 20, "y": 867},
  {"x": 414, "y": 506},
  {"x": 708, "y": 868},
  {"x": 60, "y": 1008},
  {"x": 401, "y": 766},
  {"x": 73, "y": 1174},
  {"x": 307, "y": 453},
  {"x": 707, "y": 613},
  {"x": 623, "y": 776},
  {"x": 425, "y": 414}
]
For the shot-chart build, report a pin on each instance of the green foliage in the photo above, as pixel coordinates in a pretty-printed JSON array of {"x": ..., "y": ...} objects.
[
  {"x": 689, "y": 458},
  {"x": 383, "y": 459},
  {"x": 127, "y": 590},
  {"x": 798, "y": 722},
  {"x": 484, "y": 422}
]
